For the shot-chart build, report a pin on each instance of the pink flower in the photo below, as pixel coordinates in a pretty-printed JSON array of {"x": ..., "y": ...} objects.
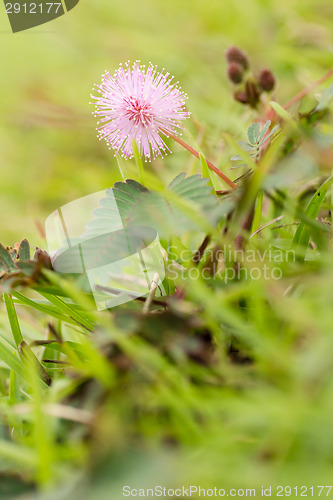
[{"x": 140, "y": 104}]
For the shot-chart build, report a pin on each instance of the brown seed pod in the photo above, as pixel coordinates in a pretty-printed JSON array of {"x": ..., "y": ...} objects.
[
  {"x": 235, "y": 72},
  {"x": 266, "y": 80},
  {"x": 236, "y": 55}
]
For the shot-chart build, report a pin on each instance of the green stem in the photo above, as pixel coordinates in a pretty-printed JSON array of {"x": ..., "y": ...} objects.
[
  {"x": 257, "y": 213},
  {"x": 138, "y": 161},
  {"x": 118, "y": 158}
]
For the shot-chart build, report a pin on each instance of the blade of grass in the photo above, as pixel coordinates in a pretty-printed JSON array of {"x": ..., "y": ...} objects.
[
  {"x": 17, "y": 454},
  {"x": 13, "y": 321},
  {"x": 9, "y": 358},
  {"x": 49, "y": 310},
  {"x": 43, "y": 425},
  {"x": 205, "y": 171},
  {"x": 14, "y": 422},
  {"x": 257, "y": 213},
  {"x": 68, "y": 309},
  {"x": 29, "y": 357},
  {"x": 13, "y": 388},
  {"x": 302, "y": 234}
]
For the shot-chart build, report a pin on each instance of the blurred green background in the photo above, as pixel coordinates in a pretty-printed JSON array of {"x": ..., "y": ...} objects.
[{"x": 48, "y": 147}]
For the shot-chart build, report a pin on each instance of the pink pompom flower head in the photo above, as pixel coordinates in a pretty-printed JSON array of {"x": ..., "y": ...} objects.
[{"x": 138, "y": 104}]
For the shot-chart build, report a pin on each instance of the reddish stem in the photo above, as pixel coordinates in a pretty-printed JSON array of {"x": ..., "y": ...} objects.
[
  {"x": 308, "y": 89},
  {"x": 196, "y": 154},
  {"x": 271, "y": 114}
]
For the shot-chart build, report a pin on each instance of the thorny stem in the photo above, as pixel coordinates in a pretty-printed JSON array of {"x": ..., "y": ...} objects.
[
  {"x": 199, "y": 253},
  {"x": 196, "y": 154},
  {"x": 222, "y": 192}
]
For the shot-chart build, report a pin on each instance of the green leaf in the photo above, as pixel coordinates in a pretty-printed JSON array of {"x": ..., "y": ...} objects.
[
  {"x": 246, "y": 156},
  {"x": 246, "y": 146},
  {"x": 186, "y": 204},
  {"x": 193, "y": 188},
  {"x": 115, "y": 207},
  {"x": 206, "y": 172},
  {"x": 5, "y": 259},
  {"x": 281, "y": 112},
  {"x": 24, "y": 250},
  {"x": 264, "y": 130},
  {"x": 302, "y": 235},
  {"x": 268, "y": 136},
  {"x": 253, "y": 133}
]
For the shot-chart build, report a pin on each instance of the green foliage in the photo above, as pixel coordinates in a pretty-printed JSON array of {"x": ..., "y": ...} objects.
[
  {"x": 24, "y": 250},
  {"x": 253, "y": 133},
  {"x": 257, "y": 139},
  {"x": 302, "y": 235},
  {"x": 185, "y": 205},
  {"x": 224, "y": 354},
  {"x": 172, "y": 373},
  {"x": 17, "y": 269},
  {"x": 6, "y": 261},
  {"x": 206, "y": 173}
]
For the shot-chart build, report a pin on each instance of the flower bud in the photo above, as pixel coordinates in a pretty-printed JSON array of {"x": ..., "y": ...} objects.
[
  {"x": 236, "y": 55},
  {"x": 266, "y": 80},
  {"x": 235, "y": 72}
]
